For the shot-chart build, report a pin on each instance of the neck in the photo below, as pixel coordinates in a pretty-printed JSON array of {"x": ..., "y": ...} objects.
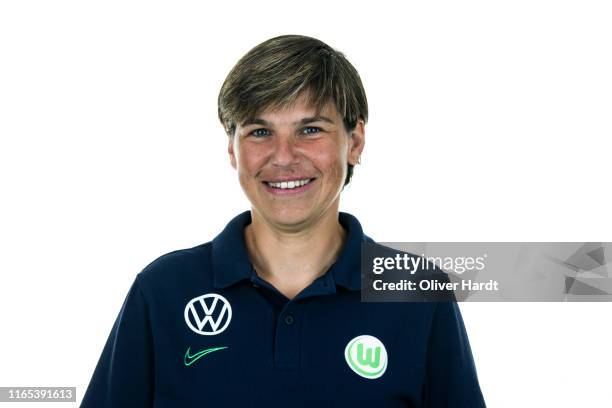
[{"x": 290, "y": 261}]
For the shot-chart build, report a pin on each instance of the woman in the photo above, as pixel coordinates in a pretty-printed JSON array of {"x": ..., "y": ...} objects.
[{"x": 269, "y": 313}]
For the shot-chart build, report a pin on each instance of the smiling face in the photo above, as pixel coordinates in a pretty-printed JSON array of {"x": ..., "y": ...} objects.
[{"x": 292, "y": 162}]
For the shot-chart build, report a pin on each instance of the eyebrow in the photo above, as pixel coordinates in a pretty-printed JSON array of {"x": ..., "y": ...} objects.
[{"x": 304, "y": 121}]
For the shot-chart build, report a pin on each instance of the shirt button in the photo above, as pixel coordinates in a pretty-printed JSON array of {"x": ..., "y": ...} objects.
[{"x": 289, "y": 320}]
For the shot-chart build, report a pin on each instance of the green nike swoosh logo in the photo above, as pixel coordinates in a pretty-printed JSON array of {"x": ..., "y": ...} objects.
[{"x": 189, "y": 360}]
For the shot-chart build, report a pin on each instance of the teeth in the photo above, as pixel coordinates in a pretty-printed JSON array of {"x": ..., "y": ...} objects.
[{"x": 289, "y": 184}]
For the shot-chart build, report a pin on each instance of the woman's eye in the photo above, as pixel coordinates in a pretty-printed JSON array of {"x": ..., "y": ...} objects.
[
  {"x": 311, "y": 130},
  {"x": 260, "y": 132}
]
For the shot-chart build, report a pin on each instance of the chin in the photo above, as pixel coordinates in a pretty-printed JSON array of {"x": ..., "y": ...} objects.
[{"x": 288, "y": 216}]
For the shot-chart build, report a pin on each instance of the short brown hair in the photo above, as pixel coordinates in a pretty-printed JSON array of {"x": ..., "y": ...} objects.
[{"x": 276, "y": 72}]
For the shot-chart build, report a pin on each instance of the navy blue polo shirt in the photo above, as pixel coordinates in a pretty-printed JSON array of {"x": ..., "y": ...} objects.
[{"x": 200, "y": 328}]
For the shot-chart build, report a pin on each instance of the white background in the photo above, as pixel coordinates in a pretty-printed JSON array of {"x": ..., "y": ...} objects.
[{"x": 490, "y": 121}]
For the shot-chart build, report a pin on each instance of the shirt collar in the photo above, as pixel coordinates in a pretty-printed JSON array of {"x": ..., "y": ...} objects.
[{"x": 231, "y": 264}]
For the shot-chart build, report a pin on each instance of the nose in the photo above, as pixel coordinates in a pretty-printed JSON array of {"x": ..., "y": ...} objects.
[{"x": 284, "y": 153}]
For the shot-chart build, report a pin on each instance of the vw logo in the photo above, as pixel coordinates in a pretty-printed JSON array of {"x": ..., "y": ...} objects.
[{"x": 208, "y": 314}]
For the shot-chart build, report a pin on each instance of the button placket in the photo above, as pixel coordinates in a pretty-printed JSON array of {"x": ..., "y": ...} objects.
[{"x": 287, "y": 338}]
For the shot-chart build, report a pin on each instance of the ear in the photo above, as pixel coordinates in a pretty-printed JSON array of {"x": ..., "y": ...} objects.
[
  {"x": 356, "y": 142},
  {"x": 230, "y": 151}
]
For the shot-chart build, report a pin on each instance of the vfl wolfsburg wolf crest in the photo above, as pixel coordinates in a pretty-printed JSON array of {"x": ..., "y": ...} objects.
[{"x": 366, "y": 356}]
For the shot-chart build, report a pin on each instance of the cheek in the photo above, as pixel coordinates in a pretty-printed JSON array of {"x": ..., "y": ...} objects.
[
  {"x": 250, "y": 159},
  {"x": 338, "y": 172},
  {"x": 332, "y": 162}
]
